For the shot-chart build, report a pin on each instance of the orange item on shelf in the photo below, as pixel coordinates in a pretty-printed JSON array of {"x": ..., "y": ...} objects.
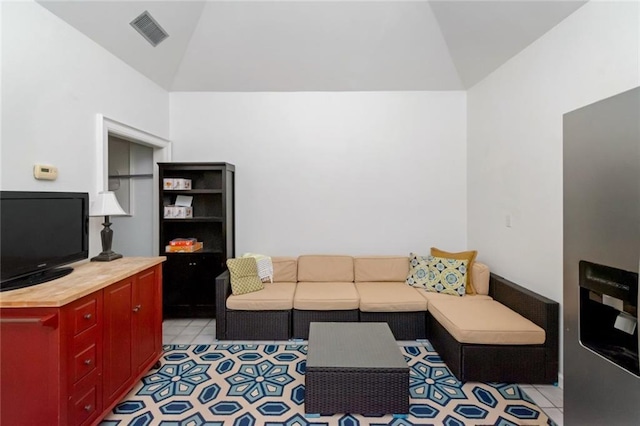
[
  {"x": 184, "y": 249},
  {"x": 183, "y": 241}
]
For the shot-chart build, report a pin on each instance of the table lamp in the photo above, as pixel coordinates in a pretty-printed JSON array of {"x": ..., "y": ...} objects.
[{"x": 106, "y": 204}]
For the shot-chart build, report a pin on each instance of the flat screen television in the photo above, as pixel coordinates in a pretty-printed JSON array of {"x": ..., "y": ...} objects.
[{"x": 39, "y": 232}]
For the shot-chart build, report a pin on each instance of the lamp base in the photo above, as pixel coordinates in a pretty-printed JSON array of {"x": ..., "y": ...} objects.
[
  {"x": 106, "y": 235},
  {"x": 106, "y": 257}
]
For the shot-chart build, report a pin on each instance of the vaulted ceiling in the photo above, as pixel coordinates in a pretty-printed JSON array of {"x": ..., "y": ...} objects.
[{"x": 317, "y": 45}]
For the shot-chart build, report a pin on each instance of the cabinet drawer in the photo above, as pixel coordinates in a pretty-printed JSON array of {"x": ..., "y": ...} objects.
[
  {"x": 84, "y": 354},
  {"x": 84, "y": 314},
  {"x": 84, "y": 404},
  {"x": 84, "y": 362}
]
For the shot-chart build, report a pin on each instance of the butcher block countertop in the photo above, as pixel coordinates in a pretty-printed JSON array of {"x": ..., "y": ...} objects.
[{"x": 85, "y": 279}]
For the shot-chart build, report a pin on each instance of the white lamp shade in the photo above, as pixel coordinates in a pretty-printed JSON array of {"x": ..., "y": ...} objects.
[{"x": 106, "y": 204}]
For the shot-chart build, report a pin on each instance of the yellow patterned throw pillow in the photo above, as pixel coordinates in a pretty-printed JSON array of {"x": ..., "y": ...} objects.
[
  {"x": 418, "y": 271},
  {"x": 469, "y": 256},
  {"x": 447, "y": 276},
  {"x": 244, "y": 275}
]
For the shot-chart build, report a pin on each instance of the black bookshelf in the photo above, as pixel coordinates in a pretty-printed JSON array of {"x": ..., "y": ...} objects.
[{"x": 189, "y": 278}]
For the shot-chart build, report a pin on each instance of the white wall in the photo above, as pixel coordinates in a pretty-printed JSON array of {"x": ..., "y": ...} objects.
[
  {"x": 349, "y": 172},
  {"x": 515, "y": 137},
  {"x": 54, "y": 82}
]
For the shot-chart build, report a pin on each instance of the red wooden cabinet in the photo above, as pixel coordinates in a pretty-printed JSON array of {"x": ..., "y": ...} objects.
[{"x": 71, "y": 365}]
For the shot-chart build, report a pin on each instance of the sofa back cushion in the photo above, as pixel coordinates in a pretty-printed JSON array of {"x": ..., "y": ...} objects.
[
  {"x": 325, "y": 268},
  {"x": 480, "y": 276},
  {"x": 381, "y": 268},
  {"x": 285, "y": 269}
]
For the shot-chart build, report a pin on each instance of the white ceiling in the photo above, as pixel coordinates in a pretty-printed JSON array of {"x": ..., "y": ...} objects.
[{"x": 317, "y": 45}]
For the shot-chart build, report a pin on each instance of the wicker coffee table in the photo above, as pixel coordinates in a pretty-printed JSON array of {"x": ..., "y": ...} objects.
[{"x": 355, "y": 368}]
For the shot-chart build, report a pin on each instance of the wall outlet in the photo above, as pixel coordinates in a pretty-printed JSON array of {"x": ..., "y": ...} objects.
[{"x": 507, "y": 220}]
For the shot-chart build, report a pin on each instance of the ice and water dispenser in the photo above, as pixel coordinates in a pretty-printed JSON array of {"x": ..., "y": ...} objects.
[{"x": 609, "y": 314}]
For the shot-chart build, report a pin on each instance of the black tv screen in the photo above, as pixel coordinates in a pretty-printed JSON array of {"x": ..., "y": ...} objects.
[{"x": 40, "y": 231}]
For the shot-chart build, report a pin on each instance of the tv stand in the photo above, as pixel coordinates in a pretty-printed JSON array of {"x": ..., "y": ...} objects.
[
  {"x": 37, "y": 278},
  {"x": 72, "y": 348}
]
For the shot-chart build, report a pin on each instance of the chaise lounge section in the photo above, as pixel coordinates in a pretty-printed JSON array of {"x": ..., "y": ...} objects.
[{"x": 511, "y": 338}]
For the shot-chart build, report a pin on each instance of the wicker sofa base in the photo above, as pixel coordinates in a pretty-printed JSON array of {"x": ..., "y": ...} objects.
[
  {"x": 302, "y": 319},
  {"x": 536, "y": 364},
  {"x": 403, "y": 325},
  {"x": 258, "y": 325},
  {"x": 489, "y": 363}
]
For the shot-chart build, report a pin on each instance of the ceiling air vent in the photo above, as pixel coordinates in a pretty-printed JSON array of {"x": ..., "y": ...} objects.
[{"x": 149, "y": 28}]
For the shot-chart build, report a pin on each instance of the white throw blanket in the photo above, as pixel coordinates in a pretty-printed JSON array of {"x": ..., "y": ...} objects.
[{"x": 265, "y": 266}]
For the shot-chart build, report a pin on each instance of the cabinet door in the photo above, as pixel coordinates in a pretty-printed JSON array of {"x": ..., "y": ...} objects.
[
  {"x": 177, "y": 288},
  {"x": 118, "y": 309},
  {"x": 189, "y": 284},
  {"x": 205, "y": 269},
  {"x": 145, "y": 324},
  {"x": 30, "y": 345}
]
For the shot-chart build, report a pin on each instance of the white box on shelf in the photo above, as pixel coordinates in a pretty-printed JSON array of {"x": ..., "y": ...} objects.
[
  {"x": 178, "y": 212},
  {"x": 183, "y": 212},
  {"x": 176, "y": 183},
  {"x": 180, "y": 183},
  {"x": 167, "y": 183},
  {"x": 168, "y": 212}
]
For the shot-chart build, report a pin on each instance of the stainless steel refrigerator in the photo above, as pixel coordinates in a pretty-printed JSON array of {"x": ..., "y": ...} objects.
[{"x": 601, "y": 179}]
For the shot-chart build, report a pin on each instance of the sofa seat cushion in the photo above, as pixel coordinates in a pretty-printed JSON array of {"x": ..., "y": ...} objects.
[
  {"x": 431, "y": 295},
  {"x": 325, "y": 268},
  {"x": 485, "y": 322},
  {"x": 380, "y": 268},
  {"x": 274, "y": 297},
  {"x": 326, "y": 296},
  {"x": 389, "y": 297}
]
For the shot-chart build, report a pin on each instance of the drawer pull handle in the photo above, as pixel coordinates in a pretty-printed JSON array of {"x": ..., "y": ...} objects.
[
  {"x": 87, "y": 361},
  {"x": 88, "y": 407},
  {"x": 137, "y": 308},
  {"x": 87, "y": 316}
]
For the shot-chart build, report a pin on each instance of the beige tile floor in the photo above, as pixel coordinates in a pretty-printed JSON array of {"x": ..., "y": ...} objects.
[{"x": 202, "y": 331}]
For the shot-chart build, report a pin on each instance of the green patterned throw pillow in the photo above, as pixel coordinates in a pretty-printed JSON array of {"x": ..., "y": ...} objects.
[
  {"x": 418, "y": 271},
  {"x": 244, "y": 275},
  {"x": 447, "y": 276}
]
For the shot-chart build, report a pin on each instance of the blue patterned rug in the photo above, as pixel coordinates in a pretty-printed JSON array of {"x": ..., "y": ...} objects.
[{"x": 247, "y": 385}]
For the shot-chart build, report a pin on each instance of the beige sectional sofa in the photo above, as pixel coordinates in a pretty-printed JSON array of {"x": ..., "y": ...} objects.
[{"x": 503, "y": 325}]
